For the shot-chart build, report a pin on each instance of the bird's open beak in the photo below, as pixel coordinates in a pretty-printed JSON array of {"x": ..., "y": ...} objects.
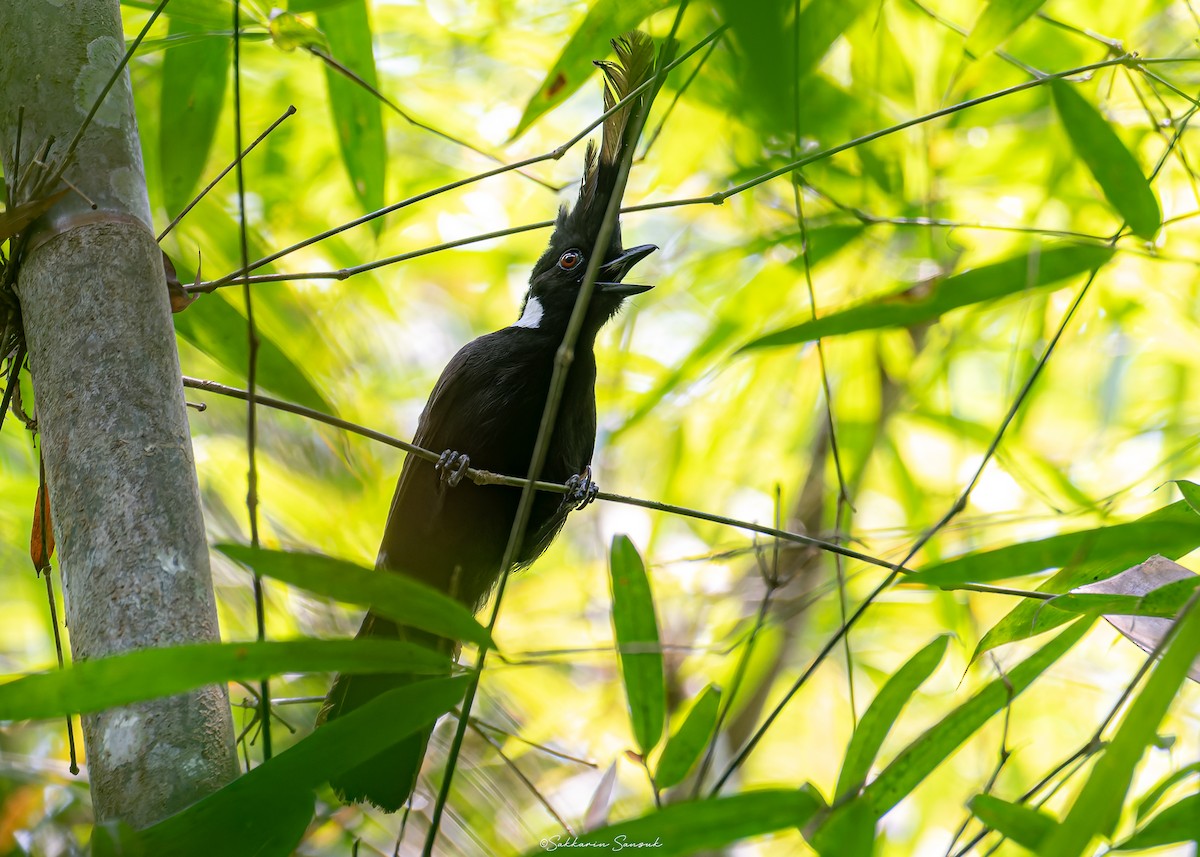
[{"x": 611, "y": 273}]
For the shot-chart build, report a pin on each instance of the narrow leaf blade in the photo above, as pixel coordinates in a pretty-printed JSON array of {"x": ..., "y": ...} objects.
[
  {"x": 260, "y": 812},
  {"x": 357, "y": 112},
  {"x": 1109, "y": 161},
  {"x": 1024, "y": 825},
  {"x": 920, "y": 758},
  {"x": 606, "y": 19},
  {"x": 883, "y": 712},
  {"x": 636, "y": 631},
  {"x": 687, "y": 828},
  {"x": 997, "y": 22},
  {"x": 1174, "y": 527},
  {"x": 921, "y": 303},
  {"x": 684, "y": 747},
  {"x": 392, "y": 595},
  {"x": 102, "y": 683},
  {"x": 1098, "y": 806},
  {"x": 194, "y": 76},
  {"x": 1179, "y": 822},
  {"x": 216, "y": 328}
]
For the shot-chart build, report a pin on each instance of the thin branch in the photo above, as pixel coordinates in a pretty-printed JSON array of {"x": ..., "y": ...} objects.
[
  {"x": 553, "y": 154},
  {"x": 187, "y": 208},
  {"x": 251, "y": 374},
  {"x": 485, "y": 477},
  {"x": 958, "y": 506},
  {"x": 541, "y": 448}
]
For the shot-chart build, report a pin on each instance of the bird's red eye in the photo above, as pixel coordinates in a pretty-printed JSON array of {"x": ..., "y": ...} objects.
[{"x": 570, "y": 260}]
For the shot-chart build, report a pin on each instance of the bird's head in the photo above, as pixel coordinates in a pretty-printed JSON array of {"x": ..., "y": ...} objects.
[{"x": 558, "y": 275}]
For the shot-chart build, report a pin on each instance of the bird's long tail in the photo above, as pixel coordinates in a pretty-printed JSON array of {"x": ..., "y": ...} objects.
[{"x": 387, "y": 779}]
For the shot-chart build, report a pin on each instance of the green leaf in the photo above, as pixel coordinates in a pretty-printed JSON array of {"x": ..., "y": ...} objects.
[
  {"x": 102, "y": 683},
  {"x": 1152, "y": 797},
  {"x": 1024, "y": 825},
  {"x": 1179, "y": 822},
  {"x": 636, "y": 631},
  {"x": 882, "y": 713},
  {"x": 682, "y": 829},
  {"x": 1164, "y": 602},
  {"x": 605, "y": 20},
  {"x": 202, "y": 13},
  {"x": 357, "y": 112},
  {"x": 217, "y": 328},
  {"x": 1111, "y": 164},
  {"x": 1098, "y": 807},
  {"x": 288, "y": 32},
  {"x": 684, "y": 747},
  {"x": 266, "y": 811},
  {"x": 1173, "y": 528},
  {"x": 194, "y": 76},
  {"x": 1171, "y": 531},
  {"x": 313, "y": 5},
  {"x": 394, "y": 596},
  {"x": 997, "y": 22},
  {"x": 1190, "y": 492},
  {"x": 848, "y": 832},
  {"x": 821, "y": 23},
  {"x": 921, "y": 302},
  {"x": 921, "y": 757}
]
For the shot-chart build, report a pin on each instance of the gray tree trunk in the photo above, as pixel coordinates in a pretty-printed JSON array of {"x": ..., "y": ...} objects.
[{"x": 110, "y": 407}]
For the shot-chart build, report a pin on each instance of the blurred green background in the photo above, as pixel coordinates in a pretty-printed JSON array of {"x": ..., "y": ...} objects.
[{"x": 685, "y": 417}]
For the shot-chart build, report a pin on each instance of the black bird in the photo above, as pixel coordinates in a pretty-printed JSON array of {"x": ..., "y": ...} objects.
[{"x": 485, "y": 410}]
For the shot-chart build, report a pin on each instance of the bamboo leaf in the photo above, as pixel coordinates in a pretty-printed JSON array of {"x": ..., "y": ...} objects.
[
  {"x": 883, "y": 712},
  {"x": 997, "y": 22},
  {"x": 1109, "y": 161},
  {"x": 1024, "y": 825},
  {"x": 202, "y": 13},
  {"x": 1152, "y": 797},
  {"x": 921, "y": 757},
  {"x": 1190, "y": 492},
  {"x": 194, "y": 76},
  {"x": 13, "y": 220},
  {"x": 636, "y": 631},
  {"x": 922, "y": 302},
  {"x": 821, "y": 22},
  {"x": 848, "y": 832},
  {"x": 102, "y": 683},
  {"x": 1098, "y": 807},
  {"x": 289, "y": 31},
  {"x": 218, "y": 329},
  {"x": 1179, "y": 822},
  {"x": 1171, "y": 531},
  {"x": 1173, "y": 528},
  {"x": 686, "y": 828},
  {"x": 606, "y": 19},
  {"x": 1164, "y": 602},
  {"x": 356, "y": 112},
  {"x": 391, "y": 595},
  {"x": 266, "y": 811},
  {"x": 684, "y": 747}
]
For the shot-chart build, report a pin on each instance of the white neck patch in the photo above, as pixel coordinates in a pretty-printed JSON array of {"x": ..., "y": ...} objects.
[{"x": 532, "y": 317}]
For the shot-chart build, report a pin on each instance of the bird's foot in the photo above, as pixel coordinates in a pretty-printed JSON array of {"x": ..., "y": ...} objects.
[
  {"x": 581, "y": 490},
  {"x": 452, "y": 466}
]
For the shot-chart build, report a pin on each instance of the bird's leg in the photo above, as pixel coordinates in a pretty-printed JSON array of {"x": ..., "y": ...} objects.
[
  {"x": 452, "y": 466},
  {"x": 581, "y": 490}
]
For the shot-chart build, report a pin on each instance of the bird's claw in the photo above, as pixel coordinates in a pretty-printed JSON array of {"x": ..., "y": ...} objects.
[
  {"x": 452, "y": 466},
  {"x": 581, "y": 490}
]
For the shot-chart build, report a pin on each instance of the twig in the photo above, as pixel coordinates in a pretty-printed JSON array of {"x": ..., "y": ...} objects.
[{"x": 251, "y": 374}]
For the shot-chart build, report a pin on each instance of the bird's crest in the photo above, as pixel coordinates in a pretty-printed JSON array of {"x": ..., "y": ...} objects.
[{"x": 634, "y": 66}]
